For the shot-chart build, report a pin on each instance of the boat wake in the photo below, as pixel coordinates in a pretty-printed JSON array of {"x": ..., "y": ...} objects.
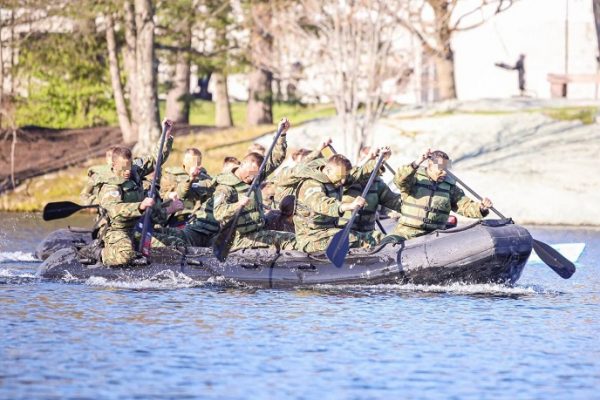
[
  {"x": 163, "y": 280},
  {"x": 489, "y": 289},
  {"x": 16, "y": 256}
]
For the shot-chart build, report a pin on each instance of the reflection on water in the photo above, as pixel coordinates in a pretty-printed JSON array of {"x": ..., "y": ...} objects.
[{"x": 169, "y": 337}]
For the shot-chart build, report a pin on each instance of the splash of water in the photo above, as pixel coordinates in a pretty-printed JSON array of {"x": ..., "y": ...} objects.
[
  {"x": 455, "y": 288},
  {"x": 163, "y": 280},
  {"x": 16, "y": 256},
  {"x": 15, "y": 273}
]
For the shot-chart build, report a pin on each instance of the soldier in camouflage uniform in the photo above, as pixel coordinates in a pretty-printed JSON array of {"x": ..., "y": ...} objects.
[
  {"x": 190, "y": 183},
  {"x": 89, "y": 194},
  {"x": 230, "y": 197},
  {"x": 122, "y": 196},
  {"x": 318, "y": 201},
  {"x": 195, "y": 188},
  {"x": 285, "y": 173},
  {"x": 379, "y": 194},
  {"x": 429, "y": 195}
]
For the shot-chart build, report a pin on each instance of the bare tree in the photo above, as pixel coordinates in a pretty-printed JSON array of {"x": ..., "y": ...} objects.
[
  {"x": 140, "y": 124},
  {"x": 434, "y": 22},
  {"x": 358, "y": 46}
]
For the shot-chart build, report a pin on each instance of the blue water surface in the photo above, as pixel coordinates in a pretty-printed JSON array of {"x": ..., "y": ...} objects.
[{"x": 170, "y": 337}]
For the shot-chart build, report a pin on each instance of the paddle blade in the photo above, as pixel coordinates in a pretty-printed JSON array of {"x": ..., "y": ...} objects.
[
  {"x": 338, "y": 248},
  {"x": 559, "y": 264},
  {"x": 60, "y": 209}
]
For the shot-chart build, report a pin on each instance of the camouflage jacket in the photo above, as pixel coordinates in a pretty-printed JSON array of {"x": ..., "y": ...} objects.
[
  {"x": 230, "y": 187},
  {"x": 379, "y": 194},
  {"x": 318, "y": 201},
  {"x": 97, "y": 173},
  {"x": 193, "y": 192},
  {"x": 121, "y": 198},
  {"x": 427, "y": 204},
  {"x": 286, "y": 174}
]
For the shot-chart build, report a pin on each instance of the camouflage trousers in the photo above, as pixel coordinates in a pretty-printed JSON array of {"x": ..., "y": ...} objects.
[
  {"x": 405, "y": 232},
  {"x": 318, "y": 240},
  {"x": 190, "y": 236},
  {"x": 275, "y": 240},
  {"x": 118, "y": 246}
]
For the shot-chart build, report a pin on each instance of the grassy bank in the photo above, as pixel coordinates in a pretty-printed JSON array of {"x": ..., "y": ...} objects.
[{"x": 66, "y": 184}]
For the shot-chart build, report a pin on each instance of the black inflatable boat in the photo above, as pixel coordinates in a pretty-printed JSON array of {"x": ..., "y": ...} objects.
[{"x": 489, "y": 251}]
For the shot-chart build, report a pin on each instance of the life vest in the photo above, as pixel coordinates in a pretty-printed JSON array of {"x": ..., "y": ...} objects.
[
  {"x": 428, "y": 204},
  {"x": 365, "y": 219},
  {"x": 252, "y": 217}
]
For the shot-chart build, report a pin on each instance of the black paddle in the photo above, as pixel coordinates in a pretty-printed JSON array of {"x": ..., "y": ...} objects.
[
  {"x": 339, "y": 245},
  {"x": 224, "y": 241},
  {"x": 559, "y": 264},
  {"x": 62, "y": 209},
  {"x": 146, "y": 238}
]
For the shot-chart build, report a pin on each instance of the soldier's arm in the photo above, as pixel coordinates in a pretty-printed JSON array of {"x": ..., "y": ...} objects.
[
  {"x": 312, "y": 195},
  {"x": 389, "y": 199},
  {"x": 405, "y": 179},
  {"x": 205, "y": 187},
  {"x": 147, "y": 163},
  {"x": 465, "y": 206},
  {"x": 117, "y": 210},
  {"x": 277, "y": 155},
  {"x": 225, "y": 206},
  {"x": 87, "y": 194}
]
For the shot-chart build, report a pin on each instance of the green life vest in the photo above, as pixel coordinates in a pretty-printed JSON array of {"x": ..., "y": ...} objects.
[
  {"x": 252, "y": 217},
  {"x": 365, "y": 219},
  {"x": 428, "y": 205}
]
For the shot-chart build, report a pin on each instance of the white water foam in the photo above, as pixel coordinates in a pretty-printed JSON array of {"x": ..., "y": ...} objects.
[
  {"x": 16, "y": 256},
  {"x": 455, "y": 288},
  {"x": 15, "y": 273},
  {"x": 163, "y": 280}
]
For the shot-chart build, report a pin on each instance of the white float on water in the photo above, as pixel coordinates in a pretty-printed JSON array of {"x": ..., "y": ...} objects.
[{"x": 572, "y": 251}]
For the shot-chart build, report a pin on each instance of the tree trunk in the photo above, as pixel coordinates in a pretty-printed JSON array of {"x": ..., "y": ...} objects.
[
  {"x": 146, "y": 90},
  {"x": 115, "y": 77},
  {"x": 178, "y": 96},
  {"x": 260, "y": 96},
  {"x": 130, "y": 63},
  {"x": 444, "y": 66},
  {"x": 443, "y": 56},
  {"x": 222, "y": 106},
  {"x": 260, "y": 101}
]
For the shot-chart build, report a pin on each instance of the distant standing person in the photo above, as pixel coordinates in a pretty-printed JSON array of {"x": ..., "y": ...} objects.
[{"x": 520, "y": 68}]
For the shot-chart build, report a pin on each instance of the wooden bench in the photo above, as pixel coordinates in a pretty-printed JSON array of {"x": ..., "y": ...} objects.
[{"x": 559, "y": 82}]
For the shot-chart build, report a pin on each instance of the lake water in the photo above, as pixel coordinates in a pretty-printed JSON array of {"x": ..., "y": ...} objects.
[{"x": 173, "y": 338}]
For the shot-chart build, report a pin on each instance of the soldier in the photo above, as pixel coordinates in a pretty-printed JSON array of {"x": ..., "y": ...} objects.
[
  {"x": 196, "y": 187},
  {"x": 90, "y": 191},
  {"x": 229, "y": 163},
  {"x": 122, "y": 196},
  {"x": 318, "y": 202},
  {"x": 302, "y": 156},
  {"x": 379, "y": 194},
  {"x": 257, "y": 148},
  {"x": 230, "y": 198},
  {"x": 429, "y": 195},
  {"x": 190, "y": 183}
]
